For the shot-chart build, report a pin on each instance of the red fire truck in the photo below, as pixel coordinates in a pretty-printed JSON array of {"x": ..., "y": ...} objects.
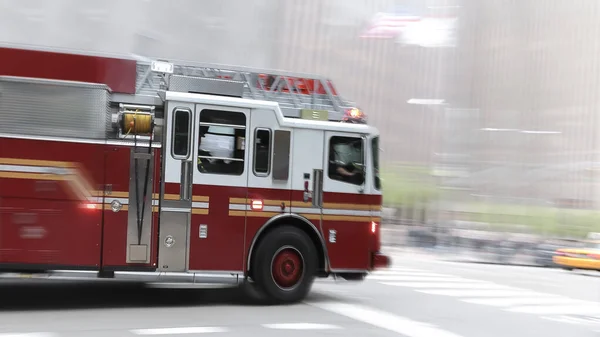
[{"x": 167, "y": 171}]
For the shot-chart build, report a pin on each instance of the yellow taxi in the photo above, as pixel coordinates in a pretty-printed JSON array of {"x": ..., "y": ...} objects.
[{"x": 585, "y": 257}]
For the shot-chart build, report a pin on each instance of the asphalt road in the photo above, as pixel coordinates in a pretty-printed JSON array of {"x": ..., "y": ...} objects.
[{"x": 418, "y": 297}]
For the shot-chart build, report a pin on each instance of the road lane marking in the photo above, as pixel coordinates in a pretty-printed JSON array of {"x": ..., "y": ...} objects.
[
  {"x": 514, "y": 301},
  {"x": 408, "y": 273},
  {"x": 417, "y": 278},
  {"x": 573, "y": 309},
  {"x": 434, "y": 285},
  {"x": 474, "y": 293},
  {"x": 384, "y": 320},
  {"x": 571, "y": 320},
  {"x": 179, "y": 331},
  {"x": 301, "y": 326},
  {"x": 480, "y": 292}
]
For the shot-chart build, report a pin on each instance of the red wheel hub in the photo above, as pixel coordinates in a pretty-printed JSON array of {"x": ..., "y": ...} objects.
[{"x": 287, "y": 268}]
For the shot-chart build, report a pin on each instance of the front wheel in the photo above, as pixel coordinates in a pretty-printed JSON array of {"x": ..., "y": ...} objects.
[{"x": 285, "y": 264}]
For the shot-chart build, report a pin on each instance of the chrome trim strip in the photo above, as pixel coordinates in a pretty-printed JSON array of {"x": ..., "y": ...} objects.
[
  {"x": 345, "y": 212},
  {"x": 114, "y": 142},
  {"x": 175, "y": 209},
  {"x": 200, "y": 204},
  {"x": 237, "y": 207},
  {"x": 306, "y": 210}
]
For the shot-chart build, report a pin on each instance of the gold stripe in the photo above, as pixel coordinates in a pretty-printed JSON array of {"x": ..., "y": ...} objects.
[
  {"x": 253, "y": 214},
  {"x": 368, "y": 207},
  {"x": 117, "y": 194},
  {"x": 356, "y": 207},
  {"x": 38, "y": 176},
  {"x": 34, "y": 162},
  {"x": 238, "y": 201},
  {"x": 377, "y": 219},
  {"x": 261, "y": 214},
  {"x": 156, "y": 196},
  {"x": 302, "y": 204},
  {"x": 308, "y": 216},
  {"x": 244, "y": 201},
  {"x": 347, "y": 218},
  {"x": 274, "y": 202}
]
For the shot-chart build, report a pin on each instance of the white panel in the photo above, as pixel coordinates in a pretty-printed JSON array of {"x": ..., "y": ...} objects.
[
  {"x": 307, "y": 154},
  {"x": 173, "y": 166},
  {"x": 263, "y": 118}
]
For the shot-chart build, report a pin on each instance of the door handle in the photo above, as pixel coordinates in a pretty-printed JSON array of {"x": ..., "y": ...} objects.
[{"x": 317, "y": 192}]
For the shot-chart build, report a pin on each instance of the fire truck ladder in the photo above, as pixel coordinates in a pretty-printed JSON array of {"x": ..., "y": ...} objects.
[{"x": 296, "y": 93}]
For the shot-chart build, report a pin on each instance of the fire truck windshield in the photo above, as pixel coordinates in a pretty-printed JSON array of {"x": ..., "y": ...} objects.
[
  {"x": 375, "y": 154},
  {"x": 346, "y": 157}
]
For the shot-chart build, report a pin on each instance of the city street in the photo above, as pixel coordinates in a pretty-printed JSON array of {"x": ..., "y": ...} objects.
[{"x": 418, "y": 297}]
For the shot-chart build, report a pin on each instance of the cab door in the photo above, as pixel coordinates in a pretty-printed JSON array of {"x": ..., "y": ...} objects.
[
  {"x": 346, "y": 218},
  {"x": 220, "y": 188}
]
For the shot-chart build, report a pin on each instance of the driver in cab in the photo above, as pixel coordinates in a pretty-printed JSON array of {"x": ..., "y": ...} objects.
[{"x": 346, "y": 161}]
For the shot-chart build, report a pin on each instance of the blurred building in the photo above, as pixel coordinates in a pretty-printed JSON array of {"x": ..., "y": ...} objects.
[
  {"x": 518, "y": 78},
  {"x": 531, "y": 71}
]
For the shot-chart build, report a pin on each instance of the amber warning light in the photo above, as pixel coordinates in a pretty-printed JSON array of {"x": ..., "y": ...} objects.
[{"x": 354, "y": 115}]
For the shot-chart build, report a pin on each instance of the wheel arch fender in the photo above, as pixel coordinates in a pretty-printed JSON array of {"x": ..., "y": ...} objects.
[{"x": 297, "y": 221}]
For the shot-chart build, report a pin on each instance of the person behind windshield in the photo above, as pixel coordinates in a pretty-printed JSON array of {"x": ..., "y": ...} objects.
[{"x": 345, "y": 161}]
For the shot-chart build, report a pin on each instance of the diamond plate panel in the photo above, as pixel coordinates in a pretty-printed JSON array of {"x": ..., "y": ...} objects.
[{"x": 54, "y": 108}]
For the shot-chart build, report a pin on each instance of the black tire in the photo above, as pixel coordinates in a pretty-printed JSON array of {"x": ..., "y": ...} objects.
[{"x": 291, "y": 249}]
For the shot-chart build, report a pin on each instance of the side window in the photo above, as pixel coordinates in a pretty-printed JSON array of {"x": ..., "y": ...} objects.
[
  {"x": 262, "y": 152},
  {"x": 222, "y": 142},
  {"x": 180, "y": 143},
  {"x": 346, "y": 159}
]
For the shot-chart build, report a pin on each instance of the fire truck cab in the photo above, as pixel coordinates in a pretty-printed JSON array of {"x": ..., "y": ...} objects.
[{"x": 175, "y": 172}]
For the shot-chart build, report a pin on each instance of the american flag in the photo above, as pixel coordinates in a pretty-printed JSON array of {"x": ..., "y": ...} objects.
[{"x": 389, "y": 25}]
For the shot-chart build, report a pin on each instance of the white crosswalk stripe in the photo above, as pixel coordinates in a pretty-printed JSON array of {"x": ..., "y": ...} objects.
[{"x": 486, "y": 293}]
